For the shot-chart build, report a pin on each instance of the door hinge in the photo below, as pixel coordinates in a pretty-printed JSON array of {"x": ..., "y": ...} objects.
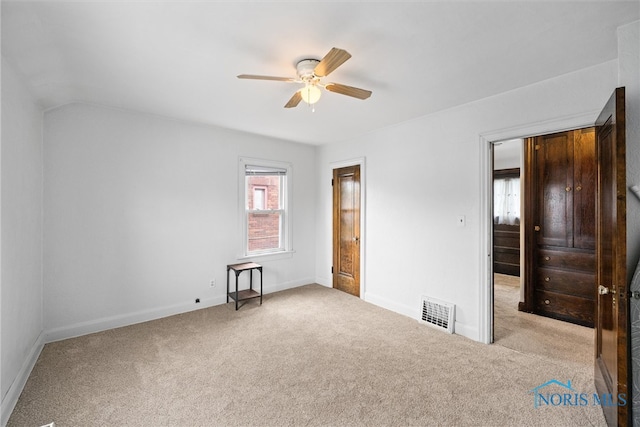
[
  {"x": 332, "y": 182},
  {"x": 331, "y": 269}
]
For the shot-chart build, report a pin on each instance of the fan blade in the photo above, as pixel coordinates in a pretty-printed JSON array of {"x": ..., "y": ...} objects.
[
  {"x": 255, "y": 77},
  {"x": 332, "y": 60},
  {"x": 294, "y": 101},
  {"x": 348, "y": 90}
]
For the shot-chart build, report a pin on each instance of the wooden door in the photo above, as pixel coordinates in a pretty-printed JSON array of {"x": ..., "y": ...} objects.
[
  {"x": 612, "y": 309},
  {"x": 584, "y": 194},
  {"x": 561, "y": 256},
  {"x": 346, "y": 229},
  {"x": 554, "y": 203}
]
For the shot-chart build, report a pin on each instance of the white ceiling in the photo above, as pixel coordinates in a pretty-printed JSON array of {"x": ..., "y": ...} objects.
[{"x": 180, "y": 58}]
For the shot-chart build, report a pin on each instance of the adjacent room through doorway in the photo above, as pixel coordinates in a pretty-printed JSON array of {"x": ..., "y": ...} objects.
[{"x": 514, "y": 327}]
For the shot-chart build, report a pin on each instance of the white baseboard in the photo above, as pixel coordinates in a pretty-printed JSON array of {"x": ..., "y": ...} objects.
[
  {"x": 324, "y": 281},
  {"x": 11, "y": 398},
  {"x": 288, "y": 285},
  {"x": 414, "y": 313},
  {"x": 466, "y": 331},
  {"x": 118, "y": 321}
]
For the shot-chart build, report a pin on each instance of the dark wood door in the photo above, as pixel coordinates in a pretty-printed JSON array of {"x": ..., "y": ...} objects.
[
  {"x": 584, "y": 193},
  {"x": 346, "y": 229},
  {"x": 561, "y": 254},
  {"x": 612, "y": 308},
  {"x": 554, "y": 167}
]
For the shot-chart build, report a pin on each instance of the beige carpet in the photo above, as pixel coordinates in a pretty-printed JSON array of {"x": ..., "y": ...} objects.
[
  {"x": 308, "y": 356},
  {"x": 535, "y": 334}
]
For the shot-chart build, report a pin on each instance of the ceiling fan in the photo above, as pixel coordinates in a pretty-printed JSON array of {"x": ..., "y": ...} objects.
[{"x": 310, "y": 72}]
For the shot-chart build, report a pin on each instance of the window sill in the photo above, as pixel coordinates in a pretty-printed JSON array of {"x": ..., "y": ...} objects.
[{"x": 268, "y": 257}]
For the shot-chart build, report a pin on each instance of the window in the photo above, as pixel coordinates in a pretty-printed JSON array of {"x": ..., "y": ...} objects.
[
  {"x": 506, "y": 197},
  {"x": 265, "y": 210},
  {"x": 259, "y": 197}
]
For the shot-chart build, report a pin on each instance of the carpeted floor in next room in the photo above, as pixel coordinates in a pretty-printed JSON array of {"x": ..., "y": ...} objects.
[
  {"x": 310, "y": 356},
  {"x": 534, "y": 334}
]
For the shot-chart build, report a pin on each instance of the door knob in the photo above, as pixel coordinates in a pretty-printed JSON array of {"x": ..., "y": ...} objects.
[
  {"x": 603, "y": 290},
  {"x": 355, "y": 239}
]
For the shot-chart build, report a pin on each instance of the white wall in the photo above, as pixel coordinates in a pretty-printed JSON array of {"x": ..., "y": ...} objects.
[
  {"x": 508, "y": 154},
  {"x": 21, "y": 236},
  {"x": 422, "y": 174},
  {"x": 141, "y": 213},
  {"x": 629, "y": 77}
]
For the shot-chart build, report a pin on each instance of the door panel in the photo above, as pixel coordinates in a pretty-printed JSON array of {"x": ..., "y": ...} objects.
[
  {"x": 612, "y": 308},
  {"x": 346, "y": 229},
  {"x": 563, "y": 199},
  {"x": 554, "y": 162},
  {"x": 584, "y": 175}
]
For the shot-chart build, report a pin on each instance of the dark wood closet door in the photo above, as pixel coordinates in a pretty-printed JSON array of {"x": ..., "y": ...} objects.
[
  {"x": 584, "y": 195},
  {"x": 563, "y": 256},
  {"x": 554, "y": 165}
]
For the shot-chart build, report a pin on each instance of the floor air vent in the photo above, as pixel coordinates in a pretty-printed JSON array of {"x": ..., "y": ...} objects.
[{"x": 438, "y": 314}]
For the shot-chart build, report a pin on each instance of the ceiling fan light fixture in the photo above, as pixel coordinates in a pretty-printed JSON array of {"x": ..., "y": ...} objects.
[
  {"x": 310, "y": 94},
  {"x": 310, "y": 72}
]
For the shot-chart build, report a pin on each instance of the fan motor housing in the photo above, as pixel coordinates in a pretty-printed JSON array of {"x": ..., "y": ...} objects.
[{"x": 305, "y": 69}]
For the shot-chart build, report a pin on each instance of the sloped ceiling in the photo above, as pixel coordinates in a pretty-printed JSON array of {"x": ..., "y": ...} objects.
[{"x": 180, "y": 59}]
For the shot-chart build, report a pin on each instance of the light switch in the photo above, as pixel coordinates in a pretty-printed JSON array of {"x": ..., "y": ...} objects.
[{"x": 462, "y": 221}]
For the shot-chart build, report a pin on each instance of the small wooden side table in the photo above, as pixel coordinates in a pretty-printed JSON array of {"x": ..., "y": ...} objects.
[{"x": 247, "y": 294}]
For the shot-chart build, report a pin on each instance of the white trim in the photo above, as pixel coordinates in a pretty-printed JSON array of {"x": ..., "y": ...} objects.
[
  {"x": 577, "y": 121},
  {"x": 270, "y": 256},
  {"x": 287, "y": 204},
  {"x": 359, "y": 161},
  {"x": 543, "y": 127},
  {"x": 485, "y": 311},
  {"x": 11, "y": 398},
  {"x": 412, "y": 312},
  {"x": 122, "y": 320},
  {"x": 466, "y": 331},
  {"x": 119, "y": 321}
]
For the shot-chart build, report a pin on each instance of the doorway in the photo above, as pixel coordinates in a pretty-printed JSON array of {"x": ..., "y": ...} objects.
[
  {"x": 347, "y": 240},
  {"x": 487, "y": 140},
  {"x": 612, "y": 345},
  {"x": 514, "y": 325}
]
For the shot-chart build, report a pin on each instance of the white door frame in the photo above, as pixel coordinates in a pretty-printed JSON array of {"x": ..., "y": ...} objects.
[{"x": 485, "y": 311}]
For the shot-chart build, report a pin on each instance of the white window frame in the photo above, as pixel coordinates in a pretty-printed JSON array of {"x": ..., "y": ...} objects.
[{"x": 286, "y": 240}]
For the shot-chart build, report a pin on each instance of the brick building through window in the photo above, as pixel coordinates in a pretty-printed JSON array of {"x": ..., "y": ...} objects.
[{"x": 264, "y": 212}]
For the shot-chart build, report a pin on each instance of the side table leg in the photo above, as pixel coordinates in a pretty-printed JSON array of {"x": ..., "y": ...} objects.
[
  {"x": 260, "y": 269},
  {"x": 228, "y": 284},
  {"x": 237, "y": 274}
]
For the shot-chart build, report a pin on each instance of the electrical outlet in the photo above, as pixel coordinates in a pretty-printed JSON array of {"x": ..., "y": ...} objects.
[{"x": 212, "y": 283}]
